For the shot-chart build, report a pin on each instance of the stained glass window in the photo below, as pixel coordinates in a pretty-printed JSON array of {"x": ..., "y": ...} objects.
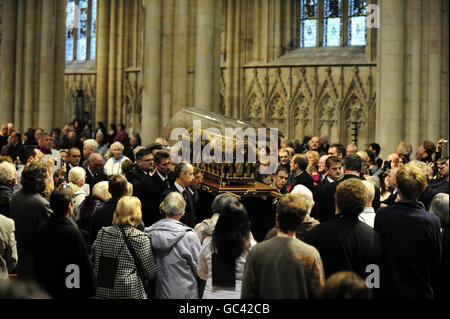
[
  {"x": 80, "y": 43},
  {"x": 332, "y": 17},
  {"x": 93, "y": 28},
  {"x": 308, "y": 25},
  {"x": 70, "y": 26},
  {"x": 357, "y": 22}
]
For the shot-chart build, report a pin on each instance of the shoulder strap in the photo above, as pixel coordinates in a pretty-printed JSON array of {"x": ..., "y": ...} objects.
[{"x": 131, "y": 250}]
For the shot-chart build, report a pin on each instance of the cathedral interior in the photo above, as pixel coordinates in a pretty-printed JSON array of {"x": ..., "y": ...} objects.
[{"x": 304, "y": 67}]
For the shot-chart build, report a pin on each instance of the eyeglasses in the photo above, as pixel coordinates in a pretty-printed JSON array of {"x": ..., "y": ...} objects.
[{"x": 76, "y": 156}]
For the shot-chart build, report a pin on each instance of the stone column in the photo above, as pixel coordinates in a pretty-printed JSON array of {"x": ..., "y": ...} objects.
[
  {"x": 119, "y": 62},
  {"x": 167, "y": 47},
  {"x": 204, "y": 55},
  {"x": 18, "y": 107},
  {"x": 415, "y": 31},
  {"x": 180, "y": 60},
  {"x": 47, "y": 65},
  {"x": 391, "y": 75},
  {"x": 236, "y": 56},
  {"x": 112, "y": 67},
  {"x": 60, "y": 62},
  {"x": 28, "y": 66},
  {"x": 102, "y": 60},
  {"x": 7, "y": 60},
  {"x": 151, "y": 70},
  {"x": 434, "y": 70},
  {"x": 229, "y": 57}
]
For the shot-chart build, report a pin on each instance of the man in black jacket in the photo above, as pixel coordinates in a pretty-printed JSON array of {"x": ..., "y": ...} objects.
[
  {"x": 325, "y": 198},
  {"x": 94, "y": 170},
  {"x": 344, "y": 242},
  {"x": 142, "y": 169},
  {"x": 184, "y": 174},
  {"x": 299, "y": 163},
  {"x": 62, "y": 262},
  {"x": 150, "y": 190}
]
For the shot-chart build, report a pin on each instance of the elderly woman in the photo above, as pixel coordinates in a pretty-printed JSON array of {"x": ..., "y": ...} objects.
[
  {"x": 77, "y": 179},
  {"x": 176, "y": 249},
  {"x": 113, "y": 165},
  {"x": 122, "y": 255},
  {"x": 8, "y": 179}
]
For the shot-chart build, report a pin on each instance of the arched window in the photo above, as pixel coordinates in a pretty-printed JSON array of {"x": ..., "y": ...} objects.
[
  {"x": 81, "y": 17},
  {"x": 332, "y": 23}
]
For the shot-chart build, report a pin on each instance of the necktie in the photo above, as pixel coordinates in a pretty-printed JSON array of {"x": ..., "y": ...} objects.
[{"x": 166, "y": 181}]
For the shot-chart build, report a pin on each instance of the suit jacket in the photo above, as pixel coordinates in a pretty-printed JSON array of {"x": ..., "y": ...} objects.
[
  {"x": 28, "y": 210},
  {"x": 136, "y": 176},
  {"x": 58, "y": 245},
  {"x": 190, "y": 216},
  {"x": 150, "y": 191},
  {"x": 304, "y": 178},
  {"x": 92, "y": 180}
]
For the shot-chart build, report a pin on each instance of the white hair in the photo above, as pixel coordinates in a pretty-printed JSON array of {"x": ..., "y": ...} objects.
[
  {"x": 76, "y": 174},
  {"x": 370, "y": 190},
  {"x": 92, "y": 144},
  {"x": 305, "y": 194},
  {"x": 173, "y": 204},
  {"x": 101, "y": 191},
  {"x": 7, "y": 172},
  {"x": 116, "y": 145},
  {"x": 439, "y": 206}
]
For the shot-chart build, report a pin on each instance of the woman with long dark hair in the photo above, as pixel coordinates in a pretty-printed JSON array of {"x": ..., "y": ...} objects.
[{"x": 223, "y": 256}]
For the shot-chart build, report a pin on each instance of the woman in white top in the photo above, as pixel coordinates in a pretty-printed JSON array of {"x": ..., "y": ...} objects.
[
  {"x": 113, "y": 165},
  {"x": 223, "y": 256},
  {"x": 77, "y": 182}
]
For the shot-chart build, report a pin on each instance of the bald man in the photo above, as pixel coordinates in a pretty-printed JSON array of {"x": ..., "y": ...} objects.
[{"x": 368, "y": 214}]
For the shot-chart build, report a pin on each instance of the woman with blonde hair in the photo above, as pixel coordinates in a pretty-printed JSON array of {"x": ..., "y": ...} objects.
[
  {"x": 122, "y": 255},
  {"x": 313, "y": 165}
]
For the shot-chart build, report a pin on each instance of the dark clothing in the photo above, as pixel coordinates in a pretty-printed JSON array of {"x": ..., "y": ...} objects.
[
  {"x": 150, "y": 191},
  {"x": 28, "y": 210},
  {"x": 203, "y": 204},
  {"x": 441, "y": 281},
  {"x": 391, "y": 199},
  {"x": 190, "y": 216},
  {"x": 5, "y": 199},
  {"x": 103, "y": 217},
  {"x": 345, "y": 244},
  {"x": 87, "y": 210},
  {"x": 301, "y": 231},
  {"x": 12, "y": 151},
  {"x": 411, "y": 245},
  {"x": 58, "y": 245},
  {"x": 92, "y": 180},
  {"x": 303, "y": 178},
  {"x": 136, "y": 176}
]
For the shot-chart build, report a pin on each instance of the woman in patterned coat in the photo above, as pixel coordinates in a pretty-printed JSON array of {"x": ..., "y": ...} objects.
[{"x": 110, "y": 245}]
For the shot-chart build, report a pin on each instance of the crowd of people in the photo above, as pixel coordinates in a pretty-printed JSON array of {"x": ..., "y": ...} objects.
[{"x": 91, "y": 213}]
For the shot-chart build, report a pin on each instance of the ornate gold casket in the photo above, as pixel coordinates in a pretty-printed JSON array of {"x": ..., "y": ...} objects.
[{"x": 223, "y": 148}]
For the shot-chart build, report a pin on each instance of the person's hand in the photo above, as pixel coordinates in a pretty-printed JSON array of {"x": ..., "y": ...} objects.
[
  {"x": 50, "y": 164},
  {"x": 440, "y": 144}
]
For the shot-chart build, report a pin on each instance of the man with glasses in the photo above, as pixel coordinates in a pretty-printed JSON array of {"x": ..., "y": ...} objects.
[
  {"x": 150, "y": 190},
  {"x": 142, "y": 169},
  {"x": 94, "y": 170},
  {"x": 74, "y": 160}
]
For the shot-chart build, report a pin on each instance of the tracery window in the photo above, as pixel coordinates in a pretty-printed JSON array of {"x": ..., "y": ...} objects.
[
  {"x": 332, "y": 23},
  {"x": 81, "y": 18}
]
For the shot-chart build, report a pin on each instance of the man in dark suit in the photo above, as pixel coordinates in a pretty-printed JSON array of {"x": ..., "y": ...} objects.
[
  {"x": 184, "y": 174},
  {"x": 150, "y": 190},
  {"x": 142, "y": 169},
  {"x": 325, "y": 200},
  {"x": 299, "y": 163},
  {"x": 94, "y": 170}
]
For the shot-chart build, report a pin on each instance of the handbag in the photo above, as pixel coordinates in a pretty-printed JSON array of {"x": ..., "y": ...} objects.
[
  {"x": 107, "y": 270},
  {"x": 139, "y": 269}
]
